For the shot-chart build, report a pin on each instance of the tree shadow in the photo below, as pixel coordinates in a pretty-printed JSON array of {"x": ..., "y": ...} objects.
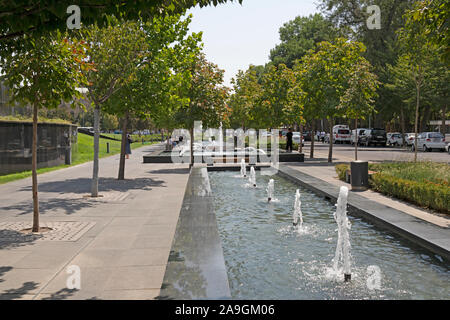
[
  {"x": 170, "y": 171},
  {"x": 10, "y": 294},
  {"x": 83, "y": 185},
  {"x": 13, "y": 239},
  {"x": 62, "y": 294},
  {"x": 3, "y": 270},
  {"x": 70, "y": 206}
]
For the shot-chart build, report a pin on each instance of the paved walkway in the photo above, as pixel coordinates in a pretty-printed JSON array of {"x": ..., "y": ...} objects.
[
  {"x": 328, "y": 173},
  {"x": 120, "y": 242}
]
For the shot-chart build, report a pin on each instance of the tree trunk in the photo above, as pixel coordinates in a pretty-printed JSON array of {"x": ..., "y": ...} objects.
[
  {"x": 300, "y": 146},
  {"x": 444, "y": 116},
  {"x": 94, "y": 186},
  {"x": 34, "y": 171},
  {"x": 123, "y": 148},
  {"x": 356, "y": 139},
  {"x": 191, "y": 131},
  {"x": 402, "y": 119},
  {"x": 330, "y": 149},
  {"x": 311, "y": 151},
  {"x": 416, "y": 122}
]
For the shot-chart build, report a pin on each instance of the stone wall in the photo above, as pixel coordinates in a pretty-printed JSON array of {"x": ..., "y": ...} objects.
[{"x": 56, "y": 144}]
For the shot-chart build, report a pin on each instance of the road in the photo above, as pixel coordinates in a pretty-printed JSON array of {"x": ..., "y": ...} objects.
[{"x": 346, "y": 153}]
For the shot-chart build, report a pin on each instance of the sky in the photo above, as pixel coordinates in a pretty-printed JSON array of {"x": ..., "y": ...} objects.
[{"x": 236, "y": 36}]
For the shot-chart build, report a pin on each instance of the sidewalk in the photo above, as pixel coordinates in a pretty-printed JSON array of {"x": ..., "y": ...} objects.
[
  {"x": 120, "y": 242},
  {"x": 328, "y": 173}
]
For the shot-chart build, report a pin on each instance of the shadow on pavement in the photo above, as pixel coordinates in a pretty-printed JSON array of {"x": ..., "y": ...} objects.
[
  {"x": 13, "y": 239},
  {"x": 83, "y": 185}
]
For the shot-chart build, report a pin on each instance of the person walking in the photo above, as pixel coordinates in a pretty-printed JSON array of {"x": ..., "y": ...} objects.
[
  {"x": 289, "y": 140},
  {"x": 128, "y": 147}
]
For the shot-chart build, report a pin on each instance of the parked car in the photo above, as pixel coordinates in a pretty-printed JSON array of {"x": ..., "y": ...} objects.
[
  {"x": 360, "y": 133},
  {"x": 375, "y": 136},
  {"x": 394, "y": 139},
  {"x": 296, "y": 138},
  {"x": 427, "y": 141},
  {"x": 341, "y": 134},
  {"x": 409, "y": 139},
  {"x": 307, "y": 136}
]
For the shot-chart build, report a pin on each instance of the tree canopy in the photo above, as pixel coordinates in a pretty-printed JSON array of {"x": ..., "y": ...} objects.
[{"x": 24, "y": 16}]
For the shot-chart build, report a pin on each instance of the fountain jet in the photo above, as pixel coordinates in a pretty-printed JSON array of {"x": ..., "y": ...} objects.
[
  {"x": 252, "y": 178},
  {"x": 270, "y": 189},
  {"x": 243, "y": 169},
  {"x": 342, "y": 255},
  {"x": 298, "y": 215}
]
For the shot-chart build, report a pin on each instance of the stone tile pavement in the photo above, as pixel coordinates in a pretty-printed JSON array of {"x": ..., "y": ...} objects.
[{"x": 121, "y": 241}]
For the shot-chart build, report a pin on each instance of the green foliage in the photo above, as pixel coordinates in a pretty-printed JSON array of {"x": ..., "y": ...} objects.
[
  {"x": 300, "y": 35},
  {"x": 266, "y": 99},
  {"x": 341, "y": 170},
  {"x": 41, "y": 16},
  {"x": 206, "y": 95},
  {"x": 43, "y": 71},
  {"x": 430, "y": 195},
  {"x": 325, "y": 78},
  {"x": 423, "y": 183},
  {"x": 433, "y": 16},
  {"x": 417, "y": 171}
]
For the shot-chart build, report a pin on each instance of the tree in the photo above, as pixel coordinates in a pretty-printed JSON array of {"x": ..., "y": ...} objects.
[
  {"x": 433, "y": 15},
  {"x": 275, "y": 103},
  {"x": 42, "y": 71},
  {"x": 116, "y": 51},
  {"x": 324, "y": 77},
  {"x": 247, "y": 93},
  {"x": 206, "y": 96},
  {"x": 416, "y": 48},
  {"x": 382, "y": 45},
  {"x": 300, "y": 35},
  {"x": 20, "y": 17},
  {"x": 358, "y": 100},
  {"x": 160, "y": 73}
]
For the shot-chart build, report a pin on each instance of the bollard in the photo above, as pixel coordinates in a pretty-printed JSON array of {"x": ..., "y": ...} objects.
[
  {"x": 359, "y": 175},
  {"x": 107, "y": 147}
]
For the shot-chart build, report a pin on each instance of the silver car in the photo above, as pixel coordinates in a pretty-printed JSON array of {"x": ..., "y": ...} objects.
[{"x": 427, "y": 141}]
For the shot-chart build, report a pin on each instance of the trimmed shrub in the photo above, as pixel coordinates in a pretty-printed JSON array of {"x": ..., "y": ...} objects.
[
  {"x": 425, "y": 194},
  {"x": 341, "y": 170}
]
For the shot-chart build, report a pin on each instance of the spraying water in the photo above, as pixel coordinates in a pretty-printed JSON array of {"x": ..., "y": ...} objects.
[
  {"x": 297, "y": 216},
  {"x": 270, "y": 189},
  {"x": 252, "y": 178},
  {"x": 342, "y": 255},
  {"x": 243, "y": 169}
]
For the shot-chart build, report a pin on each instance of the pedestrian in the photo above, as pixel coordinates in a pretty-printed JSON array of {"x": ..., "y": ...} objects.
[
  {"x": 289, "y": 140},
  {"x": 128, "y": 147}
]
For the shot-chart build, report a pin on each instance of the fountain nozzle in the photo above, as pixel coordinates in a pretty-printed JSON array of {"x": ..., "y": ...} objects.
[{"x": 347, "y": 277}]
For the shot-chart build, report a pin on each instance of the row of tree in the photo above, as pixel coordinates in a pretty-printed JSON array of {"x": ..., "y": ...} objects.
[
  {"x": 129, "y": 67},
  {"x": 334, "y": 67}
]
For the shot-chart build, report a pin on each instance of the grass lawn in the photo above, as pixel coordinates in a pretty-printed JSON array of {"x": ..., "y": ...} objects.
[
  {"x": 84, "y": 154},
  {"x": 420, "y": 171},
  {"x": 136, "y": 137}
]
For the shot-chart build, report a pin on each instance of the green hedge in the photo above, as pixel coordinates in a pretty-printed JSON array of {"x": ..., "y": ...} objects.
[
  {"x": 341, "y": 169},
  {"x": 430, "y": 195},
  {"x": 423, "y": 193}
]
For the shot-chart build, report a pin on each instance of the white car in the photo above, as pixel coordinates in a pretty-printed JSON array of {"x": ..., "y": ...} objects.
[
  {"x": 342, "y": 134},
  {"x": 427, "y": 141},
  {"x": 394, "y": 139},
  {"x": 360, "y": 133},
  {"x": 409, "y": 139},
  {"x": 296, "y": 138}
]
